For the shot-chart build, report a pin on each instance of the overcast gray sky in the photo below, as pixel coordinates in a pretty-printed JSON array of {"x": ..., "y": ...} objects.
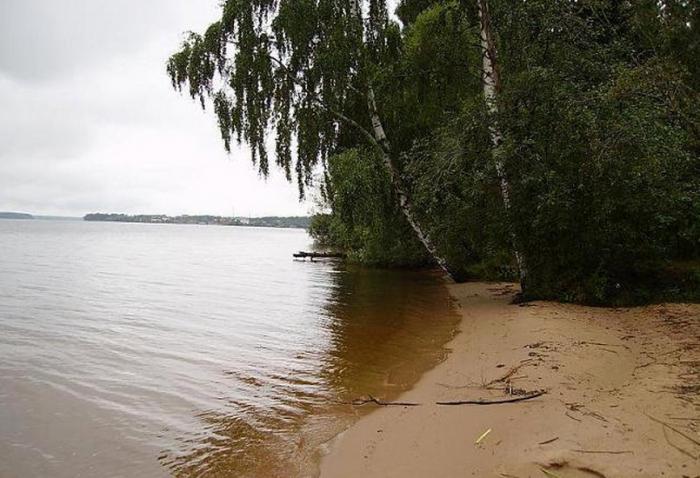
[{"x": 89, "y": 122}]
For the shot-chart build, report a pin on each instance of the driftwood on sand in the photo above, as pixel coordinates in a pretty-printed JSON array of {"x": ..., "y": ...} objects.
[
  {"x": 370, "y": 399},
  {"x": 495, "y": 401},
  {"x": 478, "y": 401}
]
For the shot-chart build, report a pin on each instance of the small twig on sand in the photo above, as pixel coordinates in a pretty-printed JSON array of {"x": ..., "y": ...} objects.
[
  {"x": 685, "y": 452},
  {"x": 599, "y": 343},
  {"x": 573, "y": 418},
  {"x": 495, "y": 401},
  {"x": 371, "y": 399},
  {"x": 549, "y": 473},
  {"x": 597, "y": 416},
  {"x": 483, "y": 435},
  {"x": 458, "y": 387},
  {"x": 610, "y": 452},
  {"x": 684, "y": 435},
  {"x": 508, "y": 374},
  {"x": 548, "y": 441}
]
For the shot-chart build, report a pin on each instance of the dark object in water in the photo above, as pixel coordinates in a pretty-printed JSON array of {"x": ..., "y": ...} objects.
[{"x": 319, "y": 255}]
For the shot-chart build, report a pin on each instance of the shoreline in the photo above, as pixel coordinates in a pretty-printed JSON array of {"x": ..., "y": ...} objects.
[{"x": 613, "y": 378}]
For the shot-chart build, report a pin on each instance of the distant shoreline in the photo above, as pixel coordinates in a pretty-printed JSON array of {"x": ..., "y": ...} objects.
[
  {"x": 16, "y": 215},
  {"x": 285, "y": 222}
]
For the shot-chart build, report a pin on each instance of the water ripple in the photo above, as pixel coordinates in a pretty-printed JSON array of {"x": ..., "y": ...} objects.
[{"x": 152, "y": 350}]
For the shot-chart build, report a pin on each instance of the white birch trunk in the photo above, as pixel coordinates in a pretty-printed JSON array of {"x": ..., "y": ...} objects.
[
  {"x": 354, "y": 8},
  {"x": 394, "y": 174},
  {"x": 491, "y": 82},
  {"x": 404, "y": 200}
]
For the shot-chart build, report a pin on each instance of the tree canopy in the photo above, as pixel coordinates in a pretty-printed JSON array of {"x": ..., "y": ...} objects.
[
  {"x": 597, "y": 109},
  {"x": 291, "y": 67}
]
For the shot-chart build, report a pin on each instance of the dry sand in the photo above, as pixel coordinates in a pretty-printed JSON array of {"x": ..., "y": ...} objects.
[{"x": 609, "y": 373}]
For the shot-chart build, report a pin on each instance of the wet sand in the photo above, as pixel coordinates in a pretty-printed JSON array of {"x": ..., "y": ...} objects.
[{"x": 612, "y": 377}]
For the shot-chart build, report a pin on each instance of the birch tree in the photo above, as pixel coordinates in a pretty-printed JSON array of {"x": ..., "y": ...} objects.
[
  {"x": 301, "y": 69},
  {"x": 491, "y": 85}
]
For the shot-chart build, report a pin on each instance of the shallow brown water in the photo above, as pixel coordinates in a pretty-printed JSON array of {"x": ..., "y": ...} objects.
[{"x": 149, "y": 350}]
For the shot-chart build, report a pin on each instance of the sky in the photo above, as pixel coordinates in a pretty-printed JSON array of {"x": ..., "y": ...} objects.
[{"x": 90, "y": 123}]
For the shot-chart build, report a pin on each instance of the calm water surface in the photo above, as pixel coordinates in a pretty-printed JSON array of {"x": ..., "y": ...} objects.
[{"x": 138, "y": 350}]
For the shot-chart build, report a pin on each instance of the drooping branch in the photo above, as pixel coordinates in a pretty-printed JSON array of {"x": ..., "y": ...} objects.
[
  {"x": 339, "y": 116},
  {"x": 292, "y": 70}
]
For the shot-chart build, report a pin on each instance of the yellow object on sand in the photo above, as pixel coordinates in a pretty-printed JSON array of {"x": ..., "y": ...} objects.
[{"x": 483, "y": 435}]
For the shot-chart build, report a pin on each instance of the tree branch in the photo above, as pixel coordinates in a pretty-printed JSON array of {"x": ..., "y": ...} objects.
[{"x": 340, "y": 116}]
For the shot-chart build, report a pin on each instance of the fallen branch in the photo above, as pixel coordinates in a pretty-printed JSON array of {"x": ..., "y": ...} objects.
[
  {"x": 495, "y": 401},
  {"x": 611, "y": 452},
  {"x": 548, "y": 441},
  {"x": 370, "y": 399},
  {"x": 358, "y": 402}
]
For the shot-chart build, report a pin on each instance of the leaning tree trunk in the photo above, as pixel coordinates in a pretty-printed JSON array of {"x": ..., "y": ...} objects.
[
  {"x": 382, "y": 143},
  {"x": 491, "y": 82},
  {"x": 404, "y": 201}
]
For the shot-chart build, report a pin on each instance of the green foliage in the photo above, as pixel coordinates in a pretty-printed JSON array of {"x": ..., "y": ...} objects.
[
  {"x": 465, "y": 212},
  {"x": 434, "y": 75},
  {"x": 284, "y": 66},
  {"x": 599, "y": 108},
  {"x": 601, "y": 151},
  {"x": 408, "y": 10},
  {"x": 365, "y": 220},
  {"x": 606, "y": 199}
]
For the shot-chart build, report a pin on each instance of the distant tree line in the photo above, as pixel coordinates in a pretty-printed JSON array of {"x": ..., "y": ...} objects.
[
  {"x": 554, "y": 142},
  {"x": 15, "y": 215},
  {"x": 269, "y": 221}
]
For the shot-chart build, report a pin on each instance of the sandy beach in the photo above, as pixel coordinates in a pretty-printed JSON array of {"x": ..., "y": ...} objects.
[{"x": 622, "y": 397}]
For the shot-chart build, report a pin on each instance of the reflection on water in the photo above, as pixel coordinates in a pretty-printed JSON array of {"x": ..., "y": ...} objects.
[
  {"x": 385, "y": 327},
  {"x": 194, "y": 351},
  {"x": 382, "y": 329}
]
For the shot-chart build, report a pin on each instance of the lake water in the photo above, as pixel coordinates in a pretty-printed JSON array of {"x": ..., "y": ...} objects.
[{"x": 139, "y": 350}]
